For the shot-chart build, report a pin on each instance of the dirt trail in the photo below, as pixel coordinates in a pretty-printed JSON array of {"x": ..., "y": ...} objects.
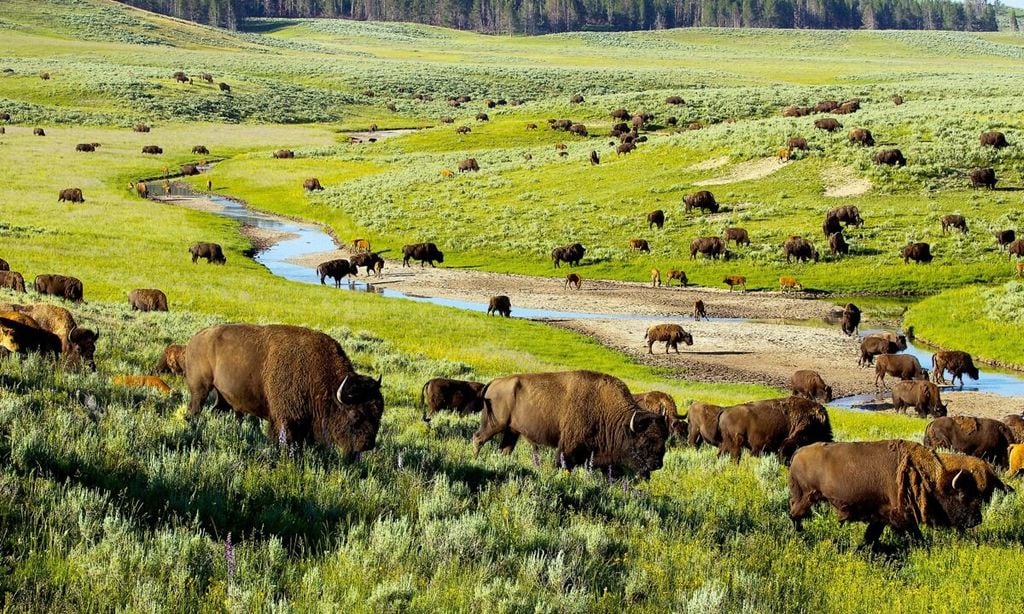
[
  {"x": 747, "y": 171},
  {"x": 842, "y": 182},
  {"x": 377, "y": 136}
]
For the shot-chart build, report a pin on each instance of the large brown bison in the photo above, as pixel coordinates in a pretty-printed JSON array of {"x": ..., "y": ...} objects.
[
  {"x": 713, "y": 247},
  {"x": 922, "y": 395},
  {"x": 590, "y": 418},
  {"x": 1015, "y": 422},
  {"x": 890, "y": 157},
  {"x": 674, "y": 100},
  {"x": 739, "y": 235},
  {"x": 993, "y": 139},
  {"x": 284, "y": 154},
  {"x": 62, "y": 286},
  {"x": 796, "y": 111},
  {"x": 809, "y": 384},
  {"x": 826, "y": 106},
  {"x": 847, "y": 214},
  {"x": 797, "y": 142},
  {"x": 172, "y": 360},
  {"x": 659, "y": 402},
  {"x": 639, "y": 245},
  {"x": 147, "y": 299},
  {"x": 224, "y": 87},
  {"x": 200, "y": 150},
  {"x": 983, "y": 177},
  {"x": 71, "y": 195},
  {"x": 423, "y": 253},
  {"x": 903, "y": 366},
  {"x": 896, "y": 483},
  {"x": 799, "y": 248},
  {"x": 872, "y": 346},
  {"x": 827, "y": 124},
  {"x": 370, "y": 260},
  {"x": 571, "y": 254},
  {"x": 311, "y": 184},
  {"x": 957, "y": 363},
  {"x": 190, "y": 170},
  {"x": 671, "y": 334},
  {"x": 299, "y": 380},
  {"x": 469, "y": 164},
  {"x": 85, "y": 147},
  {"x": 337, "y": 270},
  {"x": 954, "y": 221},
  {"x": 701, "y": 200},
  {"x": 702, "y": 420},
  {"x": 897, "y": 100},
  {"x": 775, "y": 425},
  {"x": 920, "y": 253},
  {"x": 656, "y": 218},
  {"x": 862, "y": 136},
  {"x": 482, "y": 117},
  {"x": 620, "y": 113},
  {"x": 20, "y": 335},
  {"x": 501, "y": 305},
  {"x": 837, "y": 244},
  {"x": 1015, "y": 248},
  {"x": 456, "y": 395},
  {"x": 982, "y": 438},
  {"x": 155, "y": 150},
  {"x": 578, "y": 130},
  {"x": 851, "y": 318},
  {"x": 12, "y": 280},
  {"x": 211, "y": 252},
  {"x": 576, "y": 99},
  {"x": 831, "y": 225},
  {"x": 77, "y": 344},
  {"x": 1005, "y": 237}
]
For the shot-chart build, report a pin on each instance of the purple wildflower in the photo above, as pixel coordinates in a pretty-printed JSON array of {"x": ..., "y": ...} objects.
[
  {"x": 400, "y": 462},
  {"x": 561, "y": 461},
  {"x": 590, "y": 462},
  {"x": 536, "y": 458},
  {"x": 229, "y": 557}
]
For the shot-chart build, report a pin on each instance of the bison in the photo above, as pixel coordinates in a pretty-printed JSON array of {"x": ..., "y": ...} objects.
[
  {"x": 851, "y": 319},
  {"x": 983, "y": 177},
  {"x": 656, "y": 218},
  {"x": 639, "y": 245},
  {"x": 200, "y": 150},
  {"x": 620, "y": 113},
  {"x": 775, "y": 425},
  {"x": 20, "y": 335},
  {"x": 1016, "y": 460},
  {"x": 795, "y": 111},
  {"x": 594, "y": 158},
  {"x": 468, "y": 165},
  {"x": 77, "y": 344},
  {"x": 224, "y": 87},
  {"x": 299, "y": 380},
  {"x": 85, "y": 147},
  {"x": 659, "y": 402},
  {"x": 789, "y": 283},
  {"x": 797, "y": 142},
  {"x": 62, "y": 286},
  {"x": 890, "y": 157},
  {"x": 423, "y": 253},
  {"x": 147, "y": 300},
  {"x": 71, "y": 195},
  {"x": 670, "y": 334},
  {"x": 312, "y": 184},
  {"x": 713, "y": 247},
  {"x": 370, "y": 260},
  {"x": 702, "y": 420},
  {"x": 739, "y": 235},
  {"x": 954, "y": 221},
  {"x": 897, "y": 100},
  {"x": 678, "y": 275},
  {"x": 735, "y": 280},
  {"x": 172, "y": 360},
  {"x": 140, "y": 128},
  {"x": 922, "y": 395},
  {"x": 574, "y": 280},
  {"x": 837, "y": 244},
  {"x": 337, "y": 270},
  {"x": 847, "y": 214},
  {"x": 862, "y": 136},
  {"x": 590, "y": 418},
  {"x": 903, "y": 366},
  {"x": 4, "y": 265},
  {"x": 624, "y": 148},
  {"x": 500, "y": 305},
  {"x": 1005, "y": 237},
  {"x": 578, "y": 129},
  {"x": 1015, "y": 248},
  {"x": 701, "y": 200},
  {"x": 872, "y": 346},
  {"x": 571, "y": 254},
  {"x": 920, "y": 253},
  {"x": 38, "y": 132},
  {"x": 799, "y": 248},
  {"x": 1015, "y": 422},
  {"x": 957, "y": 363},
  {"x": 808, "y": 384},
  {"x": 982, "y": 438},
  {"x": 152, "y": 149},
  {"x": 700, "y": 311},
  {"x": 452, "y": 394},
  {"x": 211, "y": 252},
  {"x": 993, "y": 139},
  {"x": 576, "y": 99},
  {"x": 827, "y": 124},
  {"x": 190, "y": 170},
  {"x": 283, "y": 154},
  {"x": 142, "y": 190},
  {"x": 655, "y": 278},
  {"x": 831, "y": 225}
]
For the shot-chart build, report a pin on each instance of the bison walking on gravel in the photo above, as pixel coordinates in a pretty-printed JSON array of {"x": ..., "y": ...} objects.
[
  {"x": 851, "y": 319},
  {"x": 456, "y": 395},
  {"x": 147, "y": 300},
  {"x": 957, "y": 363},
  {"x": 573, "y": 280},
  {"x": 337, "y": 270},
  {"x": 772, "y": 426},
  {"x": 572, "y": 254},
  {"x": 62, "y": 286},
  {"x": 423, "y": 253},
  {"x": 982, "y": 438},
  {"x": 920, "y": 253},
  {"x": 500, "y": 305},
  {"x": 809, "y": 384},
  {"x": 671, "y": 334},
  {"x": 211, "y": 252},
  {"x": 735, "y": 280},
  {"x": 701, "y": 200},
  {"x": 678, "y": 275},
  {"x": 72, "y": 195},
  {"x": 922, "y": 395}
]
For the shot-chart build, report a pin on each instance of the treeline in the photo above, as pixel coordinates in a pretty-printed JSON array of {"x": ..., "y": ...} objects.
[{"x": 542, "y": 16}]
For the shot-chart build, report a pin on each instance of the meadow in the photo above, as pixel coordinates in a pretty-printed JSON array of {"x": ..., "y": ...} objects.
[{"x": 111, "y": 501}]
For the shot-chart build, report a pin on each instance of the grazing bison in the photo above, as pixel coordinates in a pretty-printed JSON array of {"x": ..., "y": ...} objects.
[
  {"x": 957, "y": 363},
  {"x": 201, "y": 150},
  {"x": 993, "y": 139},
  {"x": 147, "y": 300},
  {"x": 983, "y": 177},
  {"x": 571, "y": 254},
  {"x": 180, "y": 77},
  {"x": 152, "y": 149},
  {"x": 656, "y": 218},
  {"x": 954, "y": 221},
  {"x": 172, "y": 361},
  {"x": 189, "y": 170},
  {"x": 897, "y": 100},
  {"x": 796, "y": 111},
  {"x": 670, "y": 334},
  {"x": 677, "y": 275},
  {"x": 371, "y": 261},
  {"x": 578, "y": 129},
  {"x": 142, "y": 189},
  {"x": 590, "y": 418},
  {"x": 714, "y": 247},
  {"x": 831, "y": 225},
  {"x": 672, "y": 120},
  {"x": 808, "y": 384},
  {"x": 847, "y": 214},
  {"x": 797, "y": 142},
  {"x": 312, "y": 184},
  {"x": 903, "y": 366},
  {"x": 212, "y": 252},
  {"x": 850, "y": 106},
  {"x": 337, "y": 270},
  {"x": 735, "y": 280},
  {"x": 469, "y": 164},
  {"x": 674, "y": 100},
  {"x": 890, "y": 157},
  {"x": 862, "y": 136},
  {"x": 620, "y": 114},
  {"x": 922, "y": 395},
  {"x": 655, "y": 278},
  {"x": 775, "y": 425},
  {"x": 700, "y": 311},
  {"x": 702, "y": 420},
  {"x": 85, "y": 147},
  {"x": 423, "y": 253},
  {"x": 982, "y": 438},
  {"x": 896, "y": 483},
  {"x": 837, "y": 244},
  {"x": 789, "y": 283},
  {"x": 456, "y": 395},
  {"x": 482, "y": 117},
  {"x": 826, "y": 106},
  {"x": 851, "y": 319},
  {"x": 501, "y": 305},
  {"x": 38, "y": 132},
  {"x": 20, "y": 335},
  {"x": 65, "y": 287},
  {"x": 142, "y": 381},
  {"x": 827, "y": 124},
  {"x": 739, "y": 235},
  {"x": 140, "y": 128},
  {"x": 1015, "y": 248},
  {"x": 872, "y": 346},
  {"x": 284, "y": 154},
  {"x": 576, "y": 99},
  {"x": 920, "y": 253},
  {"x": 224, "y": 87},
  {"x": 799, "y": 248},
  {"x": 77, "y": 344},
  {"x": 72, "y": 195},
  {"x": 658, "y": 402},
  {"x": 12, "y": 280},
  {"x": 299, "y": 380},
  {"x": 574, "y": 280},
  {"x": 624, "y": 148},
  {"x": 639, "y": 245},
  {"x": 701, "y": 200}
]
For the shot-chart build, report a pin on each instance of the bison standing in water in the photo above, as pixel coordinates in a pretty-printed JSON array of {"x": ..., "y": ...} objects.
[
  {"x": 147, "y": 300},
  {"x": 457, "y": 395},
  {"x": 903, "y": 366},
  {"x": 985, "y": 177},
  {"x": 671, "y": 334},
  {"x": 590, "y": 418},
  {"x": 957, "y": 363},
  {"x": 701, "y": 200},
  {"x": 896, "y": 483},
  {"x": 982, "y": 438},
  {"x": 920, "y": 253},
  {"x": 571, "y": 254},
  {"x": 370, "y": 260},
  {"x": 337, "y": 270},
  {"x": 211, "y": 252},
  {"x": 423, "y": 253},
  {"x": 774, "y": 425},
  {"x": 808, "y": 384},
  {"x": 500, "y": 305},
  {"x": 299, "y": 380},
  {"x": 63, "y": 286}
]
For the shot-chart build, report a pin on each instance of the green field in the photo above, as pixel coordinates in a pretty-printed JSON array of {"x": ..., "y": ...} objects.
[{"x": 110, "y": 501}]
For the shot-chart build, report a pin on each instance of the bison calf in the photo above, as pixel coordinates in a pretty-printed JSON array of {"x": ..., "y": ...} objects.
[
  {"x": 440, "y": 394},
  {"x": 670, "y": 334},
  {"x": 810, "y": 385},
  {"x": 172, "y": 361}
]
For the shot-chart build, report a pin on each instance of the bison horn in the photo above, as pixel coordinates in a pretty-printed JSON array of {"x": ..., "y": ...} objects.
[
  {"x": 957, "y": 478},
  {"x": 341, "y": 389},
  {"x": 379, "y": 378},
  {"x": 631, "y": 420}
]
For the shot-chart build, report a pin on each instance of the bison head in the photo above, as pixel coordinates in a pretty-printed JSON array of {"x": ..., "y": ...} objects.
[
  {"x": 960, "y": 499},
  {"x": 359, "y": 405},
  {"x": 82, "y": 346},
  {"x": 649, "y": 433},
  {"x": 7, "y": 340},
  {"x": 683, "y": 336}
]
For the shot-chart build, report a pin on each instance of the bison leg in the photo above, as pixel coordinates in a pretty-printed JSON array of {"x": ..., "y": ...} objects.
[
  {"x": 872, "y": 534},
  {"x": 650, "y": 344},
  {"x": 487, "y": 431},
  {"x": 508, "y": 441},
  {"x": 199, "y": 390},
  {"x": 800, "y": 504}
]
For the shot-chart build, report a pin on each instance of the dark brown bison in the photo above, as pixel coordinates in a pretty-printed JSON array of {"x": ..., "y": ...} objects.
[
  {"x": 337, "y": 270},
  {"x": 659, "y": 402},
  {"x": 896, "y": 483},
  {"x": 847, "y": 214},
  {"x": 62, "y": 286},
  {"x": 808, "y": 384},
  {"x": 775, "y": 425},
  {"x": 671, "y": 334},
  {"x": 826, "y": 106},
  {"x": 890, "y": 157},
  {"x": 1015, "y": 248},
  {"x": 739, "y": 235},
  {"x": 12, "y": 280},
  {"x": 284, "y": 154},
  {"x": 590, "y": 418},
  {"x": 983, "y": 177},
  {"x": 622, "y": 114},
  {"x": 920, "y": 253},
  {"x": 837, "y": 244},
  {"x": 872, "y": 346},
  {"x": 957, "y": 363},
  {"x": 140, "y": 128},
  {"x": 672, "y": 120},
  {"x": 624, "y": 148},
  {"x": 482, "y": 117},
  {"x": 903, "y": 366},
  {"x": 982, "y": 438},
  {"x": 423, "y": 253},
  {"x": 224, "y": 87},
  {"x": 180, "y": 77},
  {"x": 827, "y": 124},
  {"x": 701, "y": 200},
  {"x": 20, "y": 335},
  {"x": 851, "y": 318},
  {"x": 674, "y": 100},
  {"x": 897, "y": 100},
  {"x": 576, "y": 99},
  {"x": 831, "y": 225},
  {"x": 77, "y": 344},
  {"x": 922, "y": 395},
  {"x": 299, "y": 380},
  {"x": 993, "y": 139},
  {"x": 700, "y": 310},
  {"x": 1015, "y": 422},
  {"x": 172, "y": 360},
  {"x": 501, "y": 305},
  {"x": 578, "y": 130},
  {"x": 211, "y": 252},
  {"x": 312, "y": 184},
  {"x": 862, "y": 136},
  {"x": 702, "y": 420},
  {"x": 850, "y": 106},
  {"x": 147, "y": 300},
  {"x": 38, "y": 132},
  {"x": 152, "y": 149},
  {"x": 656, "y": 218},
  {"x": 1005, "y": 237},
  {"x": 799, "y": 248},
  {"x": 571, "y": 254},
  {"x": 200, "y": 150},
  {"x": 956, "y": 222},
  {"x": 189, "y": 170},
  {"x": 639, "y": 245},
  {"x": 797, "y": 142},
  {"x": 370, "y": 260},
  {"x": 456, "y": 395},
  {"x": 796, "y": 111},
  {"x": 72, "y": 195},
  {"x": 713, "y": 247},
  {"x": 560, "y": 124},
  {"x": 678, "y": 275},
  {"x": 142, "y": 189},
  {"x": 469, "y": 164},
  {"x": 85, "y": 147},
  {"x": 594, "y": 158}
]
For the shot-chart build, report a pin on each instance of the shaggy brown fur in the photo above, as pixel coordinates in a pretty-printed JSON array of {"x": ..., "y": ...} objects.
[
  {"x": 77, "y": 344},
  {"x": 655, "y": 278},
  {"x": 72, "y": 195},
  {"x": 12, "y": 280},
  {"x": 639, "y": 245},
  {"x": 735, "y": 280},
  {"x": 709, "y": 246},
  {"x": 656, "y": 218},
  {"x": 903, "y": 366},
  {"x": 956, "y": 222},
  {"x": 172, "y": 361},
  {"x": 500, "y": 305},
  {"x": 739, "y": 235},
  {"x": 21, "y": 335},
  {"x": 659, "y": 402},
  {"x": 677, "y": 275},
  {"x": 983, "y": 438},
  {"x": 211, "y": 252},
  {"x": 452, "y": 394},
  {"x": 670, "y": 334},
  {"x": 810, "y": 385},
  {"x": 699, "y": 311},
  {"x": 956, "y": 362},
  {"x": 469, "y": 164},
  {"x": 63, "y": 286},
  {"x": 923, "y": 396},
  {"x": 147, "y": 299},
  {"x": 337, "y": 269},
  {"x": 701, "y": 200},
  {"x": 703, "y": 423},
  {"x": 775, "y": 425},
  {"x": 282, "y": 154},
  {"x": 312, "y": 184}
]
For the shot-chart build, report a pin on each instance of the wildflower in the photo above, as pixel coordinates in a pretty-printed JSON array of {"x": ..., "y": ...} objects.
[{"x": 229, "y": 557}]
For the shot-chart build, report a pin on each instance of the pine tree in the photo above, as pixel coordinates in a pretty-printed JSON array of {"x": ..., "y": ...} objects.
[{"x": 1013, "y": 22}]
